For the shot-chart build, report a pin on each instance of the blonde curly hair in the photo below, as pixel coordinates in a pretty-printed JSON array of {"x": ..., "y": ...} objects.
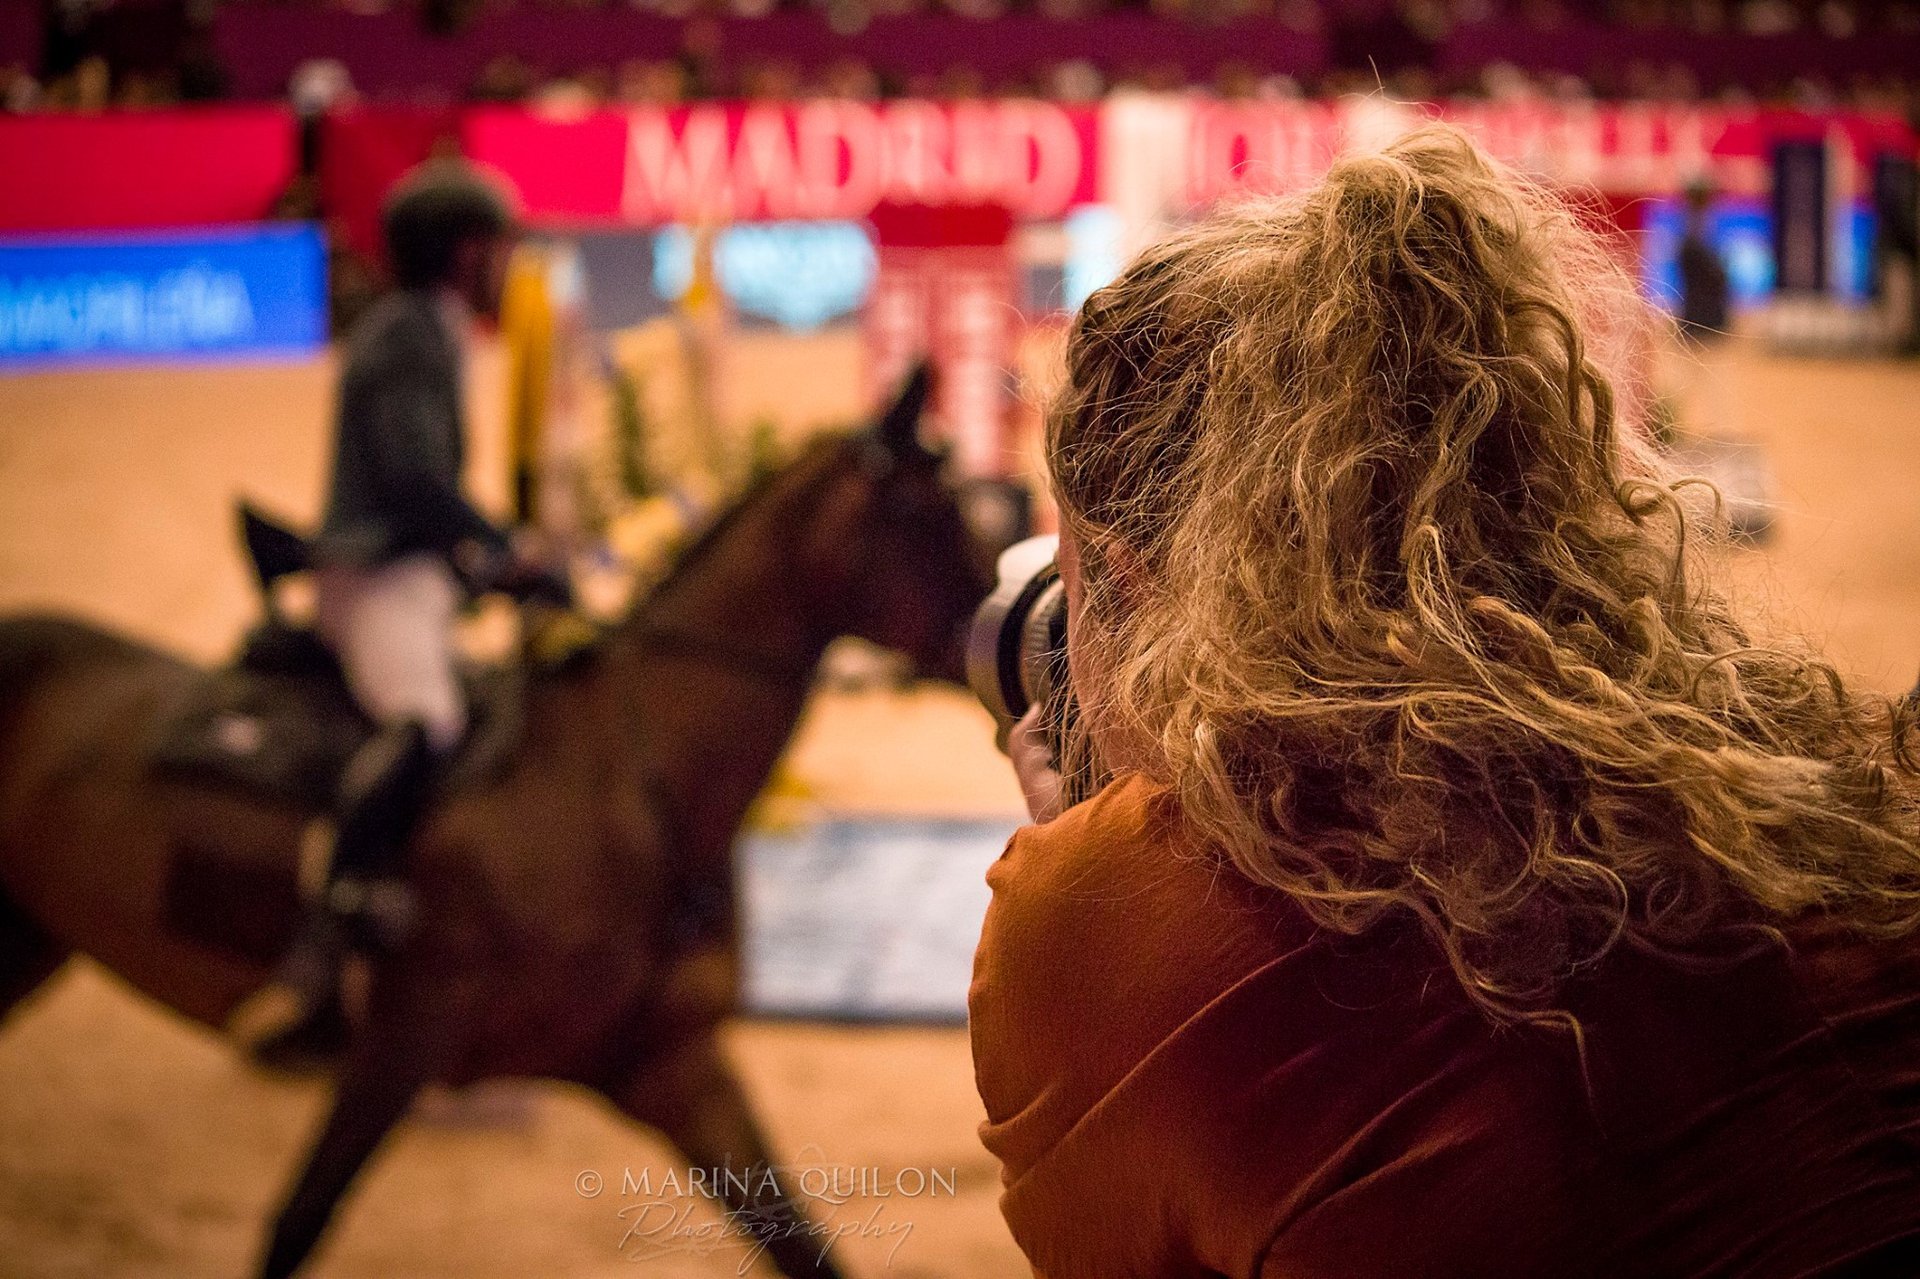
[{"x": 1410, "y": 619}]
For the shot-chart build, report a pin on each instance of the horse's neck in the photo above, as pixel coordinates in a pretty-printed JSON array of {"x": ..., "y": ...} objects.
[{"x": 717, "y": 666}]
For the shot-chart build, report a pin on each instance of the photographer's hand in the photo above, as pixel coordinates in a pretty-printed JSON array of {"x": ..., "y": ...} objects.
[{"x": 1033, "y": 764}]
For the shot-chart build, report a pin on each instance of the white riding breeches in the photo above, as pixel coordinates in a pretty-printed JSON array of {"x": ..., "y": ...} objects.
[{"x": 392, "y": 628}]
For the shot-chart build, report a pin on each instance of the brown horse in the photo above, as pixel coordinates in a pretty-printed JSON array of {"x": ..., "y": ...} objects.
[{"x": 577, "y": 910}]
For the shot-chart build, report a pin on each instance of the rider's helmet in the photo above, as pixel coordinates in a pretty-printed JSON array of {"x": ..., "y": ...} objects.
[{"x": 432, "y": 212}]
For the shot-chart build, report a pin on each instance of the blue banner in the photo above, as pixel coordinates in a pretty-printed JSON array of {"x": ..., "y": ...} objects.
[
  {"x": 1742, "y": 230},
  {"x": 246, "y": 291},
  {"x": 798, "y": 275}
]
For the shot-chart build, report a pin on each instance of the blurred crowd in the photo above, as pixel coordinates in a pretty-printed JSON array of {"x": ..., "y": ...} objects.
[
  {"x": 97, "y": 54},
  {"x": 1838, "y": 19},
  {"x": 641, "y": 82}
]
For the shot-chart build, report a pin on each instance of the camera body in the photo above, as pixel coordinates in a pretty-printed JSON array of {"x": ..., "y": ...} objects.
[{"x": 1017, "y": 644}]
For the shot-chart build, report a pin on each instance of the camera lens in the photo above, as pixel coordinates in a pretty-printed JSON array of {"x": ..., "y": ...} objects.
[{"x": 1017, "y": 644}]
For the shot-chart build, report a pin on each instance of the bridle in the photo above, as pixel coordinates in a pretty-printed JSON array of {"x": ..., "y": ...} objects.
[{"x": 742, "y": 657}]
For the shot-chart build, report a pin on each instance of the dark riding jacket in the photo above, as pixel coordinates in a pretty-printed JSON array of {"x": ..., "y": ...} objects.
[{"x": 399, "y": 441}]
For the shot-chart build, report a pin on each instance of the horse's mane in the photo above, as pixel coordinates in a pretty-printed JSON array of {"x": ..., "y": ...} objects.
[
  {"x": 814, "y": 466},
  {"x": 815, "y": 455}
]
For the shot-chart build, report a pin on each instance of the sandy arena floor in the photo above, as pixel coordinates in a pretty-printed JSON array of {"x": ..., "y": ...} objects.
[{"x": 132, "y": 1145}]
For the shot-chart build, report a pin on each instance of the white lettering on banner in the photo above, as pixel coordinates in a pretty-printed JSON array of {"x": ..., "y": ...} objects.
[
  {"x": 1271, "y": 150},
  {"x": 681, "y": 176},
  {"x": 1042, "y": 150},
  {"x": 194, "y": 306},
  {"x": 1625, "y": 149},
  {"x": 765, "y": 162},
  {"x": 1634, "y": 160},
  {"x": 1164, "y": 154},
  {"x": 838, "y": 159},
  {"x": 971, "y": 150},
  {"x": 1577, "y": 142},
  {"x": 917, "y": 147},
  {"x": 841, "y": 152}
]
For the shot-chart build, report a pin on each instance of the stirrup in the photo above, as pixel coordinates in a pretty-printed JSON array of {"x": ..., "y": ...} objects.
[
  {"x": 377, "y": 914},
  {"x": 284, "y": 1032},
  {"x": 303, "y": 985},
  {"x": 266, "y": 1015}
]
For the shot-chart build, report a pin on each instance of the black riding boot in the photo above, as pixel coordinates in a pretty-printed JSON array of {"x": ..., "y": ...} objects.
[
  {"x": 365, "y": 904},
  {"x": 382, "y": 795}
]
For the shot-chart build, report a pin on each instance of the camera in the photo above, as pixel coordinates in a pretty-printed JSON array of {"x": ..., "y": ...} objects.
[{"x": 1017, "y": 644}]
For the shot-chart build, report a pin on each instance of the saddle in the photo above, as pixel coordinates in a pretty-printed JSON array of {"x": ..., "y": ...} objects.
[{"x": 279, "y": 723}]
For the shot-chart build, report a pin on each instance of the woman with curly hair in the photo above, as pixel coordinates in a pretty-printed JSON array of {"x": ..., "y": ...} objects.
[{"x": 1465, "y": 893}]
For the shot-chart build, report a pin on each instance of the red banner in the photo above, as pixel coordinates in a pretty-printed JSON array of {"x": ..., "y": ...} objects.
[
  {"x": 143, "y": 169},
  {"x": 735, "y": 161},
  {"x": 802, "y": 160}
]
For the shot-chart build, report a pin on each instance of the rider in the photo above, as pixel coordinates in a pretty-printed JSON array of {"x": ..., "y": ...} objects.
[{"x": 400, "y": 549}]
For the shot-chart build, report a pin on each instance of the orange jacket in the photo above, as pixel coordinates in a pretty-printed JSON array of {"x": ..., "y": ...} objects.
[{"x": 1182, "y": 1076}]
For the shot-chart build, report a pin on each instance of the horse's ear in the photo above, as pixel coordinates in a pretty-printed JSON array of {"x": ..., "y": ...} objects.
[{"x": 898, "y": 430}]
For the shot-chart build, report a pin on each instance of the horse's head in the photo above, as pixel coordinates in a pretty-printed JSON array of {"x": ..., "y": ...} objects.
[{"x": 896, "y": 540}]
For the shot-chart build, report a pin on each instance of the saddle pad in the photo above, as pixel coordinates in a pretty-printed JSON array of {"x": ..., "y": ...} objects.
[
  {"x": 286, "y": 735},
  {"x": 285, "y": 738},
  {"x": 866, "y": 920}
]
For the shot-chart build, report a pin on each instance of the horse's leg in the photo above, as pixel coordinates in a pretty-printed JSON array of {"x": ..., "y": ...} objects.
[
  {"x": 409, "y": 1038},
  {"x": 690, "y": 1094},
  {"x": 28, "y": 955}
]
